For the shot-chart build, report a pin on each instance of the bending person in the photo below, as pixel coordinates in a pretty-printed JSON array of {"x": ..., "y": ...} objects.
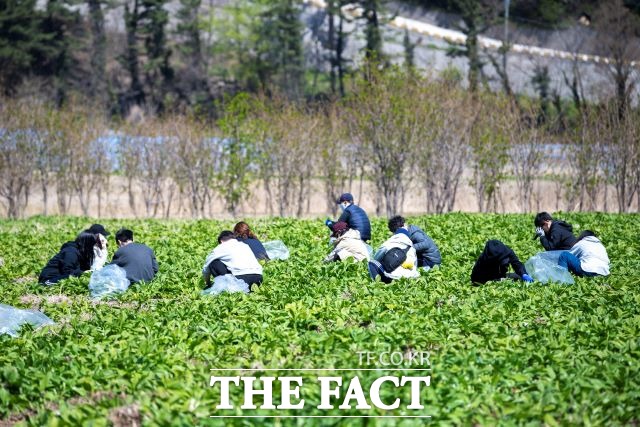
[
  {"x": 588, "y": 257},
  {"x": 426, "y": 249},
  {"x": 354, "y": 216},
  {"x": 138, "y": 260},
  {"x": 244, "y": 234},
  {"x": 395, "y": 259},
  {"x": 493, "y": 264},
  {"x": 347, "y": 243},
  {"x": 232, "y": 257},
  {"x": 100, "y": 249},
  {"x": 554, "y": 235},
  {"x": 73, "y": 259}
]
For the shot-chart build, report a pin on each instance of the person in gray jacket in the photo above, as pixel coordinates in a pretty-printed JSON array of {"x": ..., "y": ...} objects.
[
  {"x": 136, "y": 259},
  {"x": 427, "y": 251}
]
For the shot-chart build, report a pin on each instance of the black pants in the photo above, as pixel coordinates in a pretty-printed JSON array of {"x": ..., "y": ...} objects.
[{"x": 217, "y": 268}]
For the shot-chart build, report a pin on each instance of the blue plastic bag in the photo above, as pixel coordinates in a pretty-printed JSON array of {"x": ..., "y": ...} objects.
[
  {"x": 11, "y": 319},
  {"x": 276, "y": 249},
  {"x": 544, "y": 268},
  {"x": 108, "y": 281},
  {"x": 227, "y": 283}
]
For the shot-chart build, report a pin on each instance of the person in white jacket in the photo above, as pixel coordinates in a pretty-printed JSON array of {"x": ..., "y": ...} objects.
[
  {"x": 232, "y": 257},
  {"x": 395, "y": 259},
  {"x": 587, "y": 257},
  {"x": 347, "y": 244},
  {"x": 100, "y": 250}
]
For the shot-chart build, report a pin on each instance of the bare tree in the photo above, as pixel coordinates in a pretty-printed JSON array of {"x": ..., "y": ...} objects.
[
  {"x": 18, "y": 152},
  {"x": 621, "y": 137},
  {"x": 619, "y": 39},
  {"x": 384, "y": 121},
  {"x": 526, "y": 154}
]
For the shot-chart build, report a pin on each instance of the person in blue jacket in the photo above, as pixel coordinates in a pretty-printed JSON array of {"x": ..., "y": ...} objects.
[
  {"x": 427, "y": 250},
  {"x": 355, "y": 217}
]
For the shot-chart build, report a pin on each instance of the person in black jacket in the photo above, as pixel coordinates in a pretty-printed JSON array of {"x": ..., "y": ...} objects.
[
  {"x": 244, "y": 234},
  {"x": 554, "y": 235},
  {"x": 73, "y": 259},
  {"x": 426, "y": 249},
  {"x": 354, "y": 216},
  {"x": 494, "y": 262}
]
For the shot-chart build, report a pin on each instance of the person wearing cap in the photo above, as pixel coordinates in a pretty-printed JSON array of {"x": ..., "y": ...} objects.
[
  {"x": 137, "y": 260},
  {"x": 355, "y": 217},
  {"x": 347, "y": 243},
  {"x": 100, "y": 252}
]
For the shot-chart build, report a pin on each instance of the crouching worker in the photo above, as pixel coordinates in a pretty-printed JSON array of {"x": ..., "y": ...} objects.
[
  {"x": 426, "y": 249},
  {"x": 395, "y": 259},
  {"x": 73, "y": 259},
  {"x": 347, "y": 243},
  {"x": 232, "y": 257},
  {"x": 137, "y": 260},
  {"x": 494, "y": 262},
  {"x": 554, "y": 235},
  {"x": 588, "y": 257}
]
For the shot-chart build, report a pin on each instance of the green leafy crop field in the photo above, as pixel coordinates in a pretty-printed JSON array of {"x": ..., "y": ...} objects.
[{"x": 504, "y": 353}]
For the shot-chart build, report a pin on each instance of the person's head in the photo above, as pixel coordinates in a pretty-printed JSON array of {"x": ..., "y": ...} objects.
[
  {"x": 226, "y": 235},
  {"x": 98, "y": 229},
  {"x": 124, "y": 237},
  {"x": 339, "y": 228},
  {"x": 86, "y": 242},
  {"x": 345, "y": 200},
  {"x": 586, "y": 233},
  {"x": 243, "y": 231},
  {"x": 395, "y": 223},
  {"x": 544, "y": 220}
]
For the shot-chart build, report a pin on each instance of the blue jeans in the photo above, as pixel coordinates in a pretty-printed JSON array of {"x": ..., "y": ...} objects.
[{"x": 572, "y": 263}]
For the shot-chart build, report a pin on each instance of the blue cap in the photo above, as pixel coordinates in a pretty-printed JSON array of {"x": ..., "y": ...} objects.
[{"x": 346, "y": 197}]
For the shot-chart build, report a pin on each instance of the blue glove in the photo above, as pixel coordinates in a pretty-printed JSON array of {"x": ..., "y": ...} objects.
[
  {"x": 328, "y": 223},
  {"x": 527, "y": 278}
]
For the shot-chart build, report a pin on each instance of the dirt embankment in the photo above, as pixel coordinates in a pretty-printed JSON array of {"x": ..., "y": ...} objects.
[{"x": 547, "y": 195}]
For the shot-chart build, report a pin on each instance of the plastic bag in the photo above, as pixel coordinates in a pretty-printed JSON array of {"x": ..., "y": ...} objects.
[
  {"x": 11, "y": 319},
  {"x": 544, "y": 268},
  {"x": 276, "y": 249},
  {"x": 226, "y": 283},
  {"x": 108, "y": 281}
]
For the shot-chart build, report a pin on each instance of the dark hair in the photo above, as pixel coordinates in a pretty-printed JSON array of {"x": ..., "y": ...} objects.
[
  {"x": 226, "y": 235},
  {"x": 243, "y": 231},
  {"x": 586, "y": 233},
  {"x": 395, "y": 223},
  {"x": 85, "y": 242},
  {"x": 124, "y": 235},
  {"x": 541, "y": 218}
]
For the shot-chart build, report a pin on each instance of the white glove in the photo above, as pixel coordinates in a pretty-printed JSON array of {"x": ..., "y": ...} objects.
[{"x": 540, "y": 232}]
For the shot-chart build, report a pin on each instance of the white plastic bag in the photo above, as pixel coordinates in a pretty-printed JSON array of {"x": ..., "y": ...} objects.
[
  {"x": 11, "y": 319},
  {"x": 544, "y": 268},
  {"x": 108, "y": 281},
  {"x": 276, "y": 249},
  {"x": 227, "y": 283}
]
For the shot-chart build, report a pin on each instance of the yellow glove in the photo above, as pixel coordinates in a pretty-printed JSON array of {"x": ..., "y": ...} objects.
[{"x": 408, "y": 265}]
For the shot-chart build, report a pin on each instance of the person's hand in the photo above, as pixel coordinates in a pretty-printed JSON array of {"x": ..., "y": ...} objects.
[
  {"x": 328, "y": 223},
  {"x": 527, "y": 278},
  {"x": 539, "y": 232}
]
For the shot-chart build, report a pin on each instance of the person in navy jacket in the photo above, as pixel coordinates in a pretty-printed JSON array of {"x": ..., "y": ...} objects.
[{"x": 355, "y": 217}]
